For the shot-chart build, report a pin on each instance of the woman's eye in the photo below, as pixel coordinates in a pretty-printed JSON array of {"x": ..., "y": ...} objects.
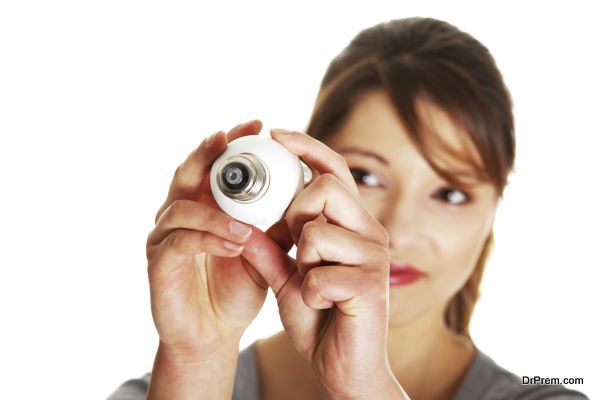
[
  {"x": 362, "y": 177},
  {"x": 453, "y": 196}
]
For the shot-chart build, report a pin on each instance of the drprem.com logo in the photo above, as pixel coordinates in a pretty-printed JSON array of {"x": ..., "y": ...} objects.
[{"x": 537, "y": 380}]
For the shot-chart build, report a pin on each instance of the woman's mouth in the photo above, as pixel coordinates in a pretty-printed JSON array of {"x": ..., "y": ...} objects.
[{"x": 404, "y": 274}]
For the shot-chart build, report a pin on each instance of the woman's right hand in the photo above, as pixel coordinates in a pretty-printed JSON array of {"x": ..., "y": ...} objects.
[{"x": 203, "y": 294}]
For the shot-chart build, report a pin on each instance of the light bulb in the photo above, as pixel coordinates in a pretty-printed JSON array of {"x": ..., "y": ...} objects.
[{"x": 256, "y": 178}]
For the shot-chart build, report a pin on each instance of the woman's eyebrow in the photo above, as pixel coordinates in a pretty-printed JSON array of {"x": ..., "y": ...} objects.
[{"x": 363, "y": 152}]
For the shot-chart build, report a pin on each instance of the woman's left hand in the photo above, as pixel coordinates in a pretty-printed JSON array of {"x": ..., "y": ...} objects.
[{"x": 334, "y": 303}]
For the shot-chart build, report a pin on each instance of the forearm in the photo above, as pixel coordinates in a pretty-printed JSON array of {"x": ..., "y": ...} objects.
[{"x": 209, "y": 376}]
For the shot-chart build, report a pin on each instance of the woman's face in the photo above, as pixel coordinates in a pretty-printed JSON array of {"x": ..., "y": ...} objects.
[{"x": 433, "y": 226}]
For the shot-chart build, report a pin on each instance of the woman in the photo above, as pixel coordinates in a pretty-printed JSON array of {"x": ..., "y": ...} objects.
[{"x": 411, "y": 141}]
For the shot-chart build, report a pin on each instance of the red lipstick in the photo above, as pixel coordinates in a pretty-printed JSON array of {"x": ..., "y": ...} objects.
[{"x": 404, "y": 274}]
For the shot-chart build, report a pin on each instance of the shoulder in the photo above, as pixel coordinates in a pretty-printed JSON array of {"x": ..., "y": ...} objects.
[
  {"x": 245, "y": 384},
  {"x": 133, "y": 389},
  {"x": 486, "y": 380}
]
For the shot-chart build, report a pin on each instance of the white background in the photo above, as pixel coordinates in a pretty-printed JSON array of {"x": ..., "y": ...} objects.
[{"x": 101, "y": 100}]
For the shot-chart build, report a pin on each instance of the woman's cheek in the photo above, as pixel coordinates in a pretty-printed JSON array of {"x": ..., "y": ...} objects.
[{"x": 461, "y": 246}]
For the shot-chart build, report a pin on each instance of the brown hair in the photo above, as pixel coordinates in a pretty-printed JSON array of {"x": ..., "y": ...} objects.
[{"x": 424, "y": 58}]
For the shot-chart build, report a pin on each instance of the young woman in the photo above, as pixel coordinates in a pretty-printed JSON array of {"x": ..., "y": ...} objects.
[{"x": 411, "y": 142}]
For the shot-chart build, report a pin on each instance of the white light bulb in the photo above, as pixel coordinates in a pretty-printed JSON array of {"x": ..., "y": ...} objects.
[{"x": 255, "y": 179}]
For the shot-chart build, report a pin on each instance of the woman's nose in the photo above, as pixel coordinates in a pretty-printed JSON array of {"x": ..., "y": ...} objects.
[{"x": 403, "y": 218}]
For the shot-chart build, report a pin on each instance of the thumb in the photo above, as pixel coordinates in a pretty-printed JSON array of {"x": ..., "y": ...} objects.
[
  {"x": 280, "y": 233},
  {"x": 268, "y": 258}
]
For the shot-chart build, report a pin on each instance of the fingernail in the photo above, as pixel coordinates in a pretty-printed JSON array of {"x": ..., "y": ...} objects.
[
  {"x": 239, "y": 229},
  {"x": 281, "y": 131},
  {"x": 211, "y": 138},
  {"x": 232, "y": 246},
  {"x": 245, "y": 124}
]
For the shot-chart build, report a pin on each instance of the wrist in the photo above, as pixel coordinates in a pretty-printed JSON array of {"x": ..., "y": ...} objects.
[
  {"x": 386, "y": 387},
  {"x": 206, "y": 373},
  {"x": 200, "y": 353}
]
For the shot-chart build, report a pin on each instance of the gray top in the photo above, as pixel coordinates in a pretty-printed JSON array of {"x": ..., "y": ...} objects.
[{"x": 484, "y": 380}]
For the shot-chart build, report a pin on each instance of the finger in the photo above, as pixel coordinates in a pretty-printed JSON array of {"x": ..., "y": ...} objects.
[
  {"x": 331, "y": 197},
  {"x": 170, "y": 254},
  {"x": 181, "y": 243},
  {"x": 192, "y": 173},
  {"x": 317, "y": 155},
  {"x": 322, "y": 242},
  {"x": 352, "y": 290},
  {"x": 252, "y": 127},
  {"x": 269, "y": 259},
  {"x": 190, "y": 214}
]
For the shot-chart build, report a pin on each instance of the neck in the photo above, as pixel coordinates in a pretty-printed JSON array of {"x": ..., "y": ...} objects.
[
  {"x": 424, "y": 350},
  {"x": 412, "y": 341}
]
